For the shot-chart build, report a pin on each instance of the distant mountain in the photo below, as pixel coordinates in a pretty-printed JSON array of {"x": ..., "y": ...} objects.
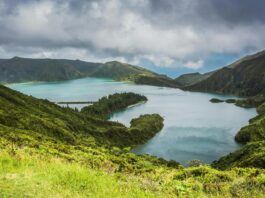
[
  {"x": 119, "y": 71},
  {"x": 156, "y": 80},
  {"x": 192, "y": 78},
  {"x": 25, "y": 69},
  {"x": 245, "y": 77}
]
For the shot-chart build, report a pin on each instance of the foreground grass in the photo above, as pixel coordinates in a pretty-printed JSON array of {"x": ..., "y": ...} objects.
[
  {"x": 33, "y": 177},
  {"x": 24, "y": 173}
]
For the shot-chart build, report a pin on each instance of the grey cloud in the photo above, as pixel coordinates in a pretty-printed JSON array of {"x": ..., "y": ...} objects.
[{"x": 162, "y": 31}]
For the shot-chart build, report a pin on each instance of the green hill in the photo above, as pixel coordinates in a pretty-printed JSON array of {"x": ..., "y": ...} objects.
[
  {"x": 245, "y": 77},
  {"x": 192, "y": 78},
  {"x": 24, "y": 69},
  {"x": 155, "y": 80},
  {"x": 119, "y": 71}
]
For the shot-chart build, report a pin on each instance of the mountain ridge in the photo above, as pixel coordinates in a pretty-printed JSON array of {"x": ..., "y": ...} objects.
[{"x": 244, "y": 77}]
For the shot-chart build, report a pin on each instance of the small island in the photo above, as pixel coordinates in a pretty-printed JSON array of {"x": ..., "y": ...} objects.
[{"x": 216, "y": 100}]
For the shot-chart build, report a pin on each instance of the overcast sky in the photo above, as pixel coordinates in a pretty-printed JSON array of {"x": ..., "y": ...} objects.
[{"x": 165, "y": 34}]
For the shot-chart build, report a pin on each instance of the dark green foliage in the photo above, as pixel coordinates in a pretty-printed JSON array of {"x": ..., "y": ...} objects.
[
  {"x": 141, "y": 130},
  {"x": 192, "y": 78},
  {"x": 250, "y": 155},
  {"x": 216, "y": 100},
  {"x": 112, "y": 103},
  {"x": 158, "y": 80},
  {"x": 251, "y": 102},
  {"x": 146, "y": 126},
  {"x": 119, "y": 71},
  {"x": 255, "y": 131},
  {"x": 230, "y": 101},
  {"x": 245, "y": 77},
  {"x": 261, "y": 109}
]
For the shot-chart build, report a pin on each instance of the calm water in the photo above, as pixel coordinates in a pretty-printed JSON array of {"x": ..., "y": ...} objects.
[{"x": 194, "y": 127}]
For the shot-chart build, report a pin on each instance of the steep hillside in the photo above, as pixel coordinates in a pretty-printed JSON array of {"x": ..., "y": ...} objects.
[
  {"x": 25, "y": 69},
  {"x": 192, "y": 78},
  {"x": 155, "y": 80},
  {"x": 246, "y": 77},
  {"x": 51, "y": 151}
]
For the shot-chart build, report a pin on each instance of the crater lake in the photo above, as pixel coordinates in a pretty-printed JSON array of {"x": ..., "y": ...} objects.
[{"x": 194, "y": 128}]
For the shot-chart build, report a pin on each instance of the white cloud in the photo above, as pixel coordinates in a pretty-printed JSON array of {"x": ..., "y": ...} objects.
[{"x": 194, "y": 64}]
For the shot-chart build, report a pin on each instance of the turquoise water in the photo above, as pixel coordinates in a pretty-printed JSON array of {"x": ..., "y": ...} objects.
[{"x": 194, "y": 127}]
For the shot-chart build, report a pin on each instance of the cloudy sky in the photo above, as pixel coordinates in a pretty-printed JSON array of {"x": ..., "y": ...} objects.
[{"x": 170, "y": 36}]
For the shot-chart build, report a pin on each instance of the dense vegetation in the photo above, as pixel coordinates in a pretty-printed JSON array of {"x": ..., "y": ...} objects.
[
  {"x": 245, "y": 77},
  {"x": 112, "y": 103},
  {"x": 251, "y": 102},
  {"x": 161, "y": 81},
  {"x": 192, "y": 78}
]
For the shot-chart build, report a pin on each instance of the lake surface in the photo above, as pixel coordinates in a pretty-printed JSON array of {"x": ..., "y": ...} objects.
[{"x": 194, "y": 127}]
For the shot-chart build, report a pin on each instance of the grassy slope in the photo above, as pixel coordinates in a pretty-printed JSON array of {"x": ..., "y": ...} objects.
[{"x": 51, "y": 151}]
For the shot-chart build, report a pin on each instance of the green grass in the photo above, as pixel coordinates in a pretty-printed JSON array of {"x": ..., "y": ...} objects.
[
  {"x": 33, "y": 177},
  {"x": 24, "y": 174}
]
